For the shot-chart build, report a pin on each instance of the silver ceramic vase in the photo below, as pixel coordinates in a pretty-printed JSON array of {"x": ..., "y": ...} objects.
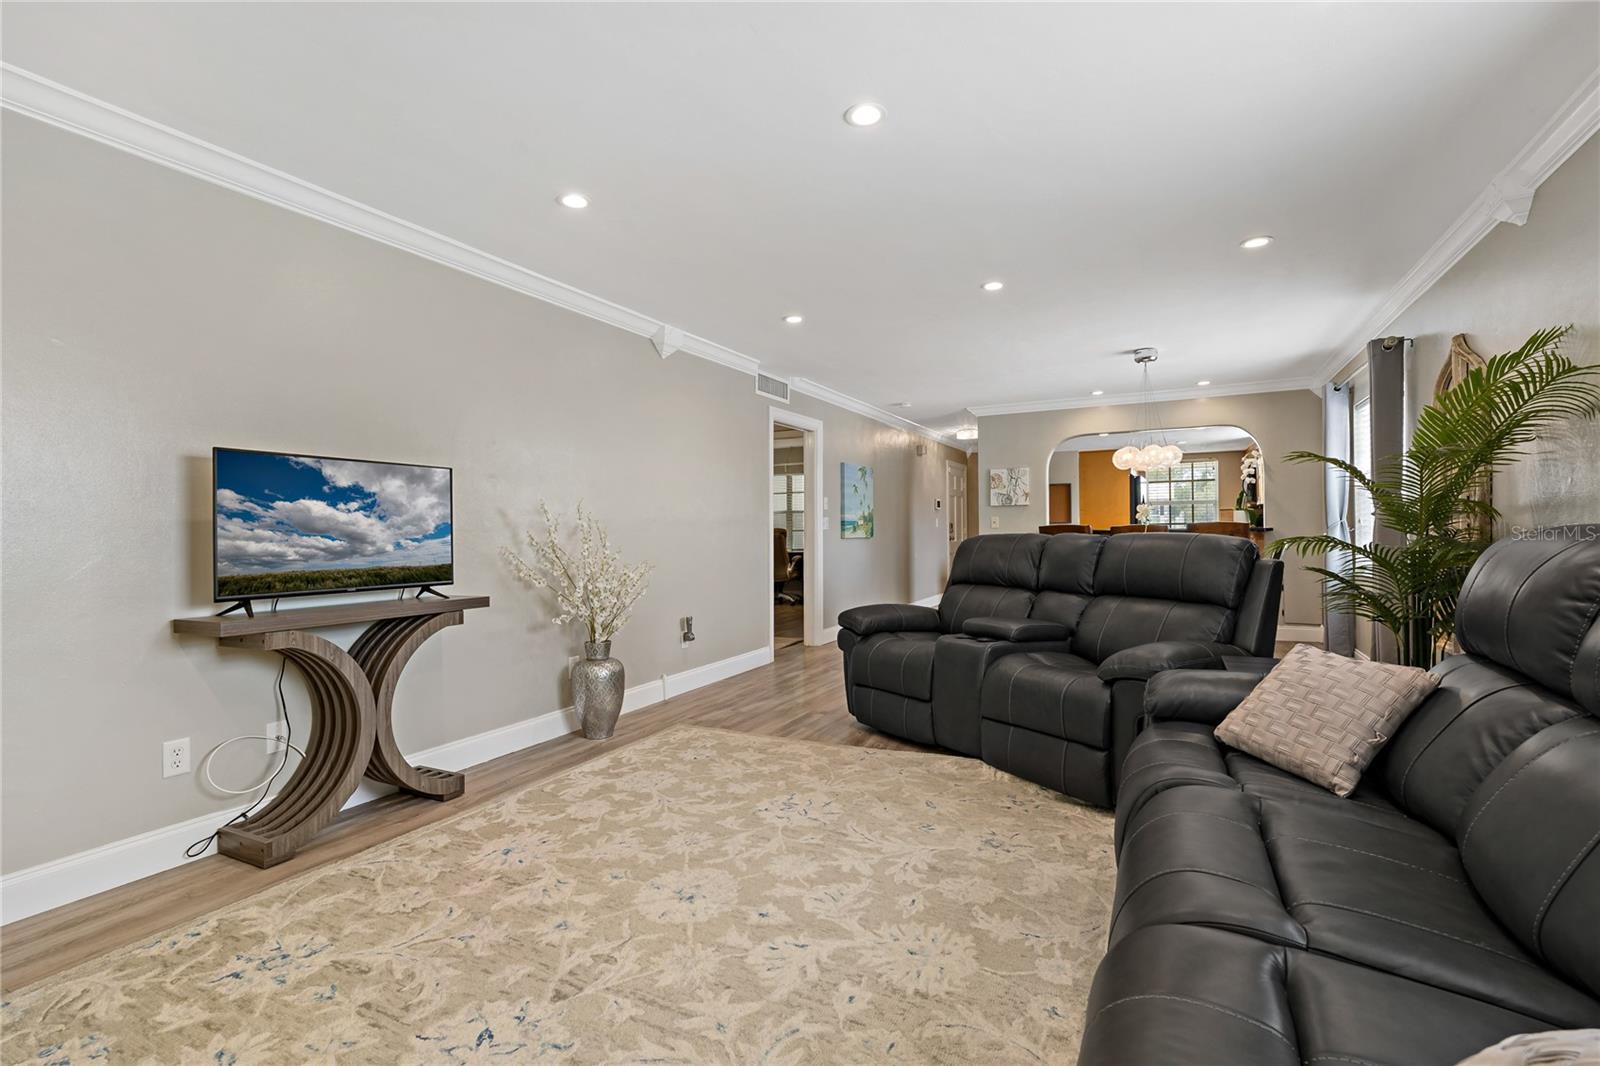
[{"x": 597, "y": 686}]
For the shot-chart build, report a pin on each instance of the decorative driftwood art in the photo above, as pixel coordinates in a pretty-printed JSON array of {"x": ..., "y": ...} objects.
[{"x": 1461, "y": 360}]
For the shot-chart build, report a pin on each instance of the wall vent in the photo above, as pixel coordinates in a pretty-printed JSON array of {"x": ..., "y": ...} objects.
[{"x": 772, "y": 388}]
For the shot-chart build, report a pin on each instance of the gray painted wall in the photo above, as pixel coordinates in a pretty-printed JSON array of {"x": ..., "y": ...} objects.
[
  {"x": 1280, "y": 422},
  {"x": 1519, "y": 279},
  {"x": 149, "y": 316},
  {"x": 909, "y": 549}
]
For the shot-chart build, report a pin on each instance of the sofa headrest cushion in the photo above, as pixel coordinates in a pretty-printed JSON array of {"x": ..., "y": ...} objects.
[
  {"x": 1531, "y": 605},
  {"x": 1068, "y": 562},
  {"x": 1187, "y": 567},
  {"x": 1010, "y": 560}
]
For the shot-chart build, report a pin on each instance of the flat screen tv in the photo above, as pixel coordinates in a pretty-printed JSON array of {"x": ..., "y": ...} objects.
[{"x": 303, "y": 525}]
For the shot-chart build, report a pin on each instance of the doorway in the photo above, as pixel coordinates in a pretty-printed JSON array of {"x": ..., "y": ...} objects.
[
  {"x": 955, "y": 502},
  {"x": 788, "y": 536},
  {"x": 793, "y": 589}
]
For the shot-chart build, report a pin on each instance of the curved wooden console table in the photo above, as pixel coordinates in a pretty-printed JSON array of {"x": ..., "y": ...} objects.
[{"x": 352, "y": 711}]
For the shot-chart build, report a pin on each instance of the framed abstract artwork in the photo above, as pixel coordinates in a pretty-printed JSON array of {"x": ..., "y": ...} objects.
[
  {"x": 1009, "y": 487},
  {"x": 855, "y": 501}
]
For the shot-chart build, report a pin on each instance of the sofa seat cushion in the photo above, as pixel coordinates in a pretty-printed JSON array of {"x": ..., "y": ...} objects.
[
  {"x": 1393, "y": 896},
  {"x": 901, "y": 663},
  {"x": 1054, "y": 693},
  {"x": 1175, "y": 995},
  {"x": 1366, "y": 803},
  {"x": 1167, "y": 755},
  {"x": 1194, "y": 855},
  {"x": 1350, "y": 1014}
]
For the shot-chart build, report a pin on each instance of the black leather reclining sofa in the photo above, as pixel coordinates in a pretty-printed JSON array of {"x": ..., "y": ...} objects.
[
  {"x": 1453, "y": 900},
  {"x": 1037, "y": 656}
]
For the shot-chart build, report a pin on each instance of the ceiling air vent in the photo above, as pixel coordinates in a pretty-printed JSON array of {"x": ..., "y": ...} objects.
[{"x": 772, "y": 388}]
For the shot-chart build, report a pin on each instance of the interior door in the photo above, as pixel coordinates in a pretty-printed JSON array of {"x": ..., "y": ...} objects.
[
  {"x": 1060, "y": 502},
  {"x": 955, "y": 503}
]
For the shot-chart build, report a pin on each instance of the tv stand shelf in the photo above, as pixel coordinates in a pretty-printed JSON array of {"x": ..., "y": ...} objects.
[{"x": 352, "y": 707}]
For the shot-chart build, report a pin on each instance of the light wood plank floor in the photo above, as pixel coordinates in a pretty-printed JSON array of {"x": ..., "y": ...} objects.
[{"x": 800, "y": 695}]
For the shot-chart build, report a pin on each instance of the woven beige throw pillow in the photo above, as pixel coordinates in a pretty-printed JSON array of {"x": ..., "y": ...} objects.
[{"x": 1324, "y": 717}]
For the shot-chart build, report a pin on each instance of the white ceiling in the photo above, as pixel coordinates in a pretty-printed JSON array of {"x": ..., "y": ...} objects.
[
  {"x": 1103, "y": 160},
  {"x": 1194, "y": 439}
]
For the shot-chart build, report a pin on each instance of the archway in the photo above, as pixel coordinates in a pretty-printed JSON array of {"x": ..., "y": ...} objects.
[{"x": 1208, "y": 486}]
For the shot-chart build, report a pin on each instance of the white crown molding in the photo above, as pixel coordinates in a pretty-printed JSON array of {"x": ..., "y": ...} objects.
[
  {"x": 1243, "y": 388},
  {"x": 29, "y": 94},
  {"x": 61, "y": 106},
  {"x": 807, "y": 387},
  {"x": 1507, "y": 198}
]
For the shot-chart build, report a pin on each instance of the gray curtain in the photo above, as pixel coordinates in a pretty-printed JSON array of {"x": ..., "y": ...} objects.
[
  {"x": 1386, "y": 376},
  {"x": 1338, "y": 627}
]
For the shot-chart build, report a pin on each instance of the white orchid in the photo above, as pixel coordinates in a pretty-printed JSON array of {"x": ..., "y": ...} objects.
[
  {"x": 1250, "y": 469},
  {"x": 591, "y": 585}
]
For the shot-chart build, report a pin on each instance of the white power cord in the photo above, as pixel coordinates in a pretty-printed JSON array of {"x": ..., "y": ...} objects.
[
  {"x": 264, "y": 782},
  {"x": 199, "y": 847}
]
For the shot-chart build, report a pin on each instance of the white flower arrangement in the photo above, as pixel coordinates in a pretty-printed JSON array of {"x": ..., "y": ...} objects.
[
  {"x": 591, "y": 585},
  {"x": 1250, "y": 469}
]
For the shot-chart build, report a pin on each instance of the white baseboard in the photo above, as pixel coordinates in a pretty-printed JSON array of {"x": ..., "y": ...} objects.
[
  {"x": 1300, "y": 634},
  {"x": 74, "y": 877},
  {"x": 831, "y": 634}
]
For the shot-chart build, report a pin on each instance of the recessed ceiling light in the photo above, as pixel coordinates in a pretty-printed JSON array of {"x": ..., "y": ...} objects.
[
  {"x": 864, "y": 114},
  {"x": 969, "y": 433},
  {"x": 1256, "y": 242},
  {"x": 793, "y": 320},
  {"x": 901, "y": 403},
  {"x": 1202, "y": 384},
  {"x": 1098, "y": 392},
  {"x": 993, "y": 286},
  {"x": 575, "y": 200}
]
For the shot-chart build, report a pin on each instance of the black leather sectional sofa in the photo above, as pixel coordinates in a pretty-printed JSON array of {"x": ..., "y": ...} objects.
[
  {"x": 1037, "y": 656},
  {"x": 1452, "y": 901}
]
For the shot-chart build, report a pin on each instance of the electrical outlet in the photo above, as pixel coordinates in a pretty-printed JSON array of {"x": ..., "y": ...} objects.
[
  {"x": 572, "y": 660},
  {"x": 994, "y": 521},
  {"x": 175, "y": 757}
]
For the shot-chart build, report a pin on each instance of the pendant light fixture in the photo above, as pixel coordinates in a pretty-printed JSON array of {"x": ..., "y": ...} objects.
[{"x": 1149, "y": 450}]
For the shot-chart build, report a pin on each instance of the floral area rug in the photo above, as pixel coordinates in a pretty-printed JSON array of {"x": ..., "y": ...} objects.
[{"x": 701, "y": 896}]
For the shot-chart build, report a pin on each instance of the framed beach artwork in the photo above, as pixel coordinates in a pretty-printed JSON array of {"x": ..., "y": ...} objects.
[
  {"x": 1009, "y": 487},
  {"x": 855, "y": 501}
]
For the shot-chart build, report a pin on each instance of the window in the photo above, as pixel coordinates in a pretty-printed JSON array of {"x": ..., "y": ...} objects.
[
  {"x": 1182, "y": 494},
  {"x": 1361, "y": 459},
  {"x": 789, "y": 503}
]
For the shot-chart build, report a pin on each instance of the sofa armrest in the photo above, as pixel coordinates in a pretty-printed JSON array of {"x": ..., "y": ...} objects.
[
  {"x": 1021, "y": 630},
  {"x": 889, "y": 618},
  {"x": 1144, "y": 661},
  {"x": 1204, "y": 696}
]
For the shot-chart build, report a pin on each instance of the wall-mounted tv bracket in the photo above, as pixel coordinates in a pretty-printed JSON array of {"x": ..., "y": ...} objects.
[{"x": 352, "y": 708}]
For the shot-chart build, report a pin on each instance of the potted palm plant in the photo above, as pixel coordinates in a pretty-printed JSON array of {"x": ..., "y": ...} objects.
[
  {"x": 1425, "y": 494},
  {"x": 592, "y": 587}
]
